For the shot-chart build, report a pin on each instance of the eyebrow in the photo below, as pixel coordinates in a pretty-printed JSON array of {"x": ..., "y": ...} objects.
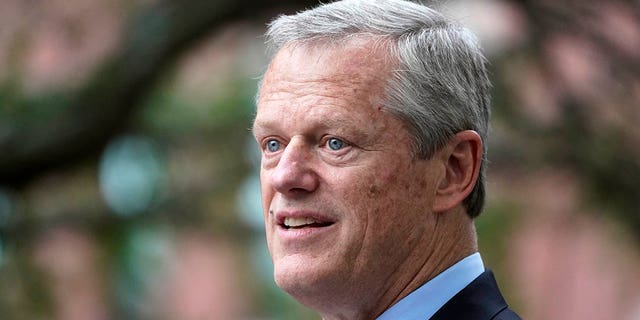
[
  {"x": 257, "y": 126},
  {"x": 338, "y": 125}
]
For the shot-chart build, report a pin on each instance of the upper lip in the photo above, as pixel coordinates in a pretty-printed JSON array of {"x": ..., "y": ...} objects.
[{"x": 281, "y": 215}]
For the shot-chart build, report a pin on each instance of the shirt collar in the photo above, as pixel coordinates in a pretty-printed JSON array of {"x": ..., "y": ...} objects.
[{"x": 423, "y": 303}]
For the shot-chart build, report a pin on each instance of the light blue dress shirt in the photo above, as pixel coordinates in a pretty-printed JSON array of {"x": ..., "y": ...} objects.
[{"x": 423, "y": 303}]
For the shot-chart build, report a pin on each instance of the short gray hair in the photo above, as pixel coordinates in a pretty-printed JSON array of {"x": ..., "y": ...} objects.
[{"x": 440, "y": 86}]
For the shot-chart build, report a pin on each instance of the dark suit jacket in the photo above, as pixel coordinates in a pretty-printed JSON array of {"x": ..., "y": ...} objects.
[{"x": 480, "y": 300}]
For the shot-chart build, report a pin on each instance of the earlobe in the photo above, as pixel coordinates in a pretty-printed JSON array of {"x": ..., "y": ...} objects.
[{"x": 461, "y": 158}]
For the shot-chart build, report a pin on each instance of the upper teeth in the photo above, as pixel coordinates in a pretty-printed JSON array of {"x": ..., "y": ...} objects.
[{"x": 296, "y": 222}]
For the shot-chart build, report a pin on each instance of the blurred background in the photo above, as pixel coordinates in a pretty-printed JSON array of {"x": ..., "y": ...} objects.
[{"x": 128, "y": 174}]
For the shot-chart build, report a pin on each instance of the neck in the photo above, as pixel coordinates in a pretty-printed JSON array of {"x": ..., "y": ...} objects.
[{"x": 453, "y": 239}]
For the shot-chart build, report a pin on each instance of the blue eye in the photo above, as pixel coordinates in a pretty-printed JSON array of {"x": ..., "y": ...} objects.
[
  {"x": 273, "y": 145},
  {"x": 335, "y": 144}
]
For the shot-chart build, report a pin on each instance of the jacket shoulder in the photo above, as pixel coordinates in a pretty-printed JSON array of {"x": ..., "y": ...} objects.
[
  {"x": 480, "y": 300},
  {"x": 506, "y": 314}
]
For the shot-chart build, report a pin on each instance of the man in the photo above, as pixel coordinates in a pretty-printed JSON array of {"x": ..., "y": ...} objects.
[{"x": 372, "y": 118}]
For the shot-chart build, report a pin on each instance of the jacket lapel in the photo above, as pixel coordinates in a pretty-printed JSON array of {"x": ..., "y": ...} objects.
[{"x": 480, "y": 300}]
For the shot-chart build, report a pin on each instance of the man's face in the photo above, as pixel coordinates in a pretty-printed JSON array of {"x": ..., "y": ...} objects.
[{"x": 346, "y": 206}]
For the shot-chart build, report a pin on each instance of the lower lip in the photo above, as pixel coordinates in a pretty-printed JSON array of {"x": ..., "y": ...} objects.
[{"x": 303, "y": 234}]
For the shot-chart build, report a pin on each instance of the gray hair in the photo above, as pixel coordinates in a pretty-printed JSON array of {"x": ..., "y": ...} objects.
[{"x": 440, "y": 86}]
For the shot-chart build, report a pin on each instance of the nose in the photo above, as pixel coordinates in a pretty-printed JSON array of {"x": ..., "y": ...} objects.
[{"x": 294, "y": 174}]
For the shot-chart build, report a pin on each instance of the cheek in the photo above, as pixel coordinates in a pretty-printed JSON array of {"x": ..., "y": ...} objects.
[
  {"x": 396, "y": 190},
  {"x": 266, "y": 192},
  {"x": 389, "y": 210},
  {"x": 390, "y": 182},
  {"x": 375, "y": 193}
]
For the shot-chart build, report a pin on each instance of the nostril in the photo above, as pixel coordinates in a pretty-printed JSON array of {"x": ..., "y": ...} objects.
[
  {"x": 296, "y": 179},
  {"x": 298, "y": 190}
]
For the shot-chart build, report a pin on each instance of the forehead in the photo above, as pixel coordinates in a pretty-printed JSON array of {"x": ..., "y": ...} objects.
[
  {"x": 346, "y": 75},
  {"x": 358, "y": 56}
]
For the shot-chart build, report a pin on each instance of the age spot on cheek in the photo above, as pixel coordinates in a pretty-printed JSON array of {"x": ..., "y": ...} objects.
[{"x": 373, "y": 191}]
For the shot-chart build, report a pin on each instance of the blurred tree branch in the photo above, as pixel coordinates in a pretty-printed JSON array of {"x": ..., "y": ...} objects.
[
  {"x": 603, "y": 154},
  {"x": 154, "y": 39}
]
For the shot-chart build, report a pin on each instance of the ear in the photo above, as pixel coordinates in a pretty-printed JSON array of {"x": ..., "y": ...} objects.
[{"x": 461, "y": 158}]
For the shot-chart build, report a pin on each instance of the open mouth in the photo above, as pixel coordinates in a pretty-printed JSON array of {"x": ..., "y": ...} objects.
[{"x": 299, "y": 223}]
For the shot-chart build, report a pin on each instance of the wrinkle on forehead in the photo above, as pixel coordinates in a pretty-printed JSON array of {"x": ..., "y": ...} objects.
[
  {"x": 357, "y": 57},
  {"x": 323, "y": 91},
  {"x": 345, "y": 70}
]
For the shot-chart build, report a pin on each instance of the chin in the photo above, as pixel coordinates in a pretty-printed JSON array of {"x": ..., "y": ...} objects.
[
  {"x": 307, "y": 282},
  {"x": 326, "y": 291},
  {"x": 295, "y": 276}
]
